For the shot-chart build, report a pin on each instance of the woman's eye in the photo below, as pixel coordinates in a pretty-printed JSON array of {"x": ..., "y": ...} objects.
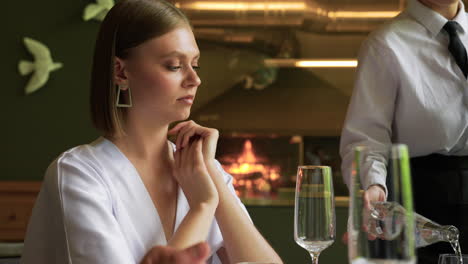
[
  {"x": 195, "y": 67},
  {"x": 173, "y": 68}
]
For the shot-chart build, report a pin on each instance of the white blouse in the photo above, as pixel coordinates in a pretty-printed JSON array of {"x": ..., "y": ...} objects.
[
  {"x": 408, "y": 90},
  {"x": 94, "y": 208}
]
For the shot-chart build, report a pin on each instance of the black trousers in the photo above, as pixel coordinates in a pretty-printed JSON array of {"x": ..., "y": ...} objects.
[{"x": 440, "y": 190}]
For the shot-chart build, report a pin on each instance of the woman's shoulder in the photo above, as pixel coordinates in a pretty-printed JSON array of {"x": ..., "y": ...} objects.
[
  {"x": 88, "y": 162},
  {"x": 90, "y": 153}
]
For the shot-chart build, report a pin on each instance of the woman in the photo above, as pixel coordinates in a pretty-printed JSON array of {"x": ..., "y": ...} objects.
[{"x": 113, "y": 200}]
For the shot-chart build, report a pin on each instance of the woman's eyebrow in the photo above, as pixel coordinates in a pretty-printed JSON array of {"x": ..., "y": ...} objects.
[{"x": 178, "y": 54}]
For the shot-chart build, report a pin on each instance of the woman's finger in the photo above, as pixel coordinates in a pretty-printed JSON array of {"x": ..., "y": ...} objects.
[
  {"x": 189, "y": 136},
  {"x": 177, "y": 127},
  {"x": 181, "y": 133},
  {"x": 195, "y": 152},
  {"x": 195, "y": 129},
  {"x": 188, "y": 132},
  {"x": 184, "y": 156},
  {"x": 177, "y": 159},
  {"x": 199, "y": 153}
]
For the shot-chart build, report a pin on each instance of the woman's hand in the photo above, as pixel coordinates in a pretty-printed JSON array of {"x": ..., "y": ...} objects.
[
  {"x": 192, "y": 175},
  {"x": 196, "y": 254},
  {"x": 189, "y": 129}
]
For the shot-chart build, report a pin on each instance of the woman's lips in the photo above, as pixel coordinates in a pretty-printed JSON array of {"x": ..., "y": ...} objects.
[{"x": 186, "y": 99}]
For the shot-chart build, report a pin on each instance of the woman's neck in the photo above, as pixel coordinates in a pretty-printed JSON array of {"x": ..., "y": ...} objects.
[
  {"x": 449, "y": 11},
  {"x": 144, "y": 142},
  {"x": 149, "y": 151}
]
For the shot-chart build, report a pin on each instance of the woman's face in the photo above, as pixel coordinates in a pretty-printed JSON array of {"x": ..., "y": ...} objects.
[{"x": 161, "y": 74}]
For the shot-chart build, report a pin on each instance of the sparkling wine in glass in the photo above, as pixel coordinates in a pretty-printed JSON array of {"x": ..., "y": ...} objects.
[{"x": 314, "y": 211}]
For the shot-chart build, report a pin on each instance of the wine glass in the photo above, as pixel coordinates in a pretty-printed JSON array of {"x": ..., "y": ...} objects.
[
  {"x": 383, "y": 233},
  {"x": 452, "y": 259},
  {"x": 314, "y": 211}
]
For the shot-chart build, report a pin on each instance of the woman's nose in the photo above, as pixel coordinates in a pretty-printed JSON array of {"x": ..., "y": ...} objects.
[{"x": 192, "y": 79}]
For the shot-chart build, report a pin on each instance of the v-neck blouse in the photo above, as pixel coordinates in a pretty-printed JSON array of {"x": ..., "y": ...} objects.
[{"x": 94, "y": 208}]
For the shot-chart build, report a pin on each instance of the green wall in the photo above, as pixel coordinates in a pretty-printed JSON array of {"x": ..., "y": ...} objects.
[{"x": 37, "y": 127}]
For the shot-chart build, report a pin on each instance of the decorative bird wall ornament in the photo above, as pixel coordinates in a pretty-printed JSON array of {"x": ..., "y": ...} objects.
[
  {"x": 41, "y": 66},
  {"x": 260, "y": 79},
  {"x": 97, "y": 10}
]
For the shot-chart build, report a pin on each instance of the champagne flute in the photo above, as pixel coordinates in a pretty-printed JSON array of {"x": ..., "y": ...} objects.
[
  {"x": 314, "y": 211},
  {"x": 452, "y": 259},
  {"x": 383, "y": 234}
]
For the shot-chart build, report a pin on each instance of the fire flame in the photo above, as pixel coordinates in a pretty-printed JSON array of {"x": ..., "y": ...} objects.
[{"x": 251, "y": 172}]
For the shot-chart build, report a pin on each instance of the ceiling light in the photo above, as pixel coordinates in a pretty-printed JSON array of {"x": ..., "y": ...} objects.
[
  {"x": 220, "y": 6},
  {"x": 363, "y": 14},
  {"x": 309, "y": 63}
]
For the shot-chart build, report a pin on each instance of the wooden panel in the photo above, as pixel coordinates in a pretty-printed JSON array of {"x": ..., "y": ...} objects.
[{"x": 16, "y": 203}]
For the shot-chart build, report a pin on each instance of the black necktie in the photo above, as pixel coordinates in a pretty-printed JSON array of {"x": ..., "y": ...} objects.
[{"x": 456, "y": 47}]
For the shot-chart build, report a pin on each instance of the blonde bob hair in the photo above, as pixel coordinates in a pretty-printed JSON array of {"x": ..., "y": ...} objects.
[{"x": 128, "y": 24}]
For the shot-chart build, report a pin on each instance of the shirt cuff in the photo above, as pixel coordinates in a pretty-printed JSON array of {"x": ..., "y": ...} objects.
[{"x": 380, "y": 181}]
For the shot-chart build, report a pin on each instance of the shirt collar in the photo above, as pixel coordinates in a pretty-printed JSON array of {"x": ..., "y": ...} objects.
[
  {"x": 461, "y": 18},
  {"x": 434, "y": 21}
]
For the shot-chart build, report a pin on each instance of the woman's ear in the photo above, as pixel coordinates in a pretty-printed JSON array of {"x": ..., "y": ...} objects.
[{"x": 120, "y": 75}]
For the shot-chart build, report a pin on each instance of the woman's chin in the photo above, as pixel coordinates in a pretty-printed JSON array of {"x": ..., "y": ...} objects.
[{"x": 182, "y": 116}]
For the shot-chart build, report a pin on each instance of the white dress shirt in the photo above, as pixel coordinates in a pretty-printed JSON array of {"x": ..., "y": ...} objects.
[
  {"x": 94, "y": 208},
  {"x": 408, "y": 90}
]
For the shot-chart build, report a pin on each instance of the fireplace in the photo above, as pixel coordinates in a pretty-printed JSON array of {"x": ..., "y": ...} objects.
[
  {"x": 297, "y": 103},
  {"x": 264, "y": 166}
]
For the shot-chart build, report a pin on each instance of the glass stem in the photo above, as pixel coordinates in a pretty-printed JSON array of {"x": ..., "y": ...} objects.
[{"x": 314, "y": 256}]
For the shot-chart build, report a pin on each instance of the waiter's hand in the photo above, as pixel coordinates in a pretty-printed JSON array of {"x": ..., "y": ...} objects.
[
  {"x": 196, "y": 254},
  {"x": 375, "y": 193}
]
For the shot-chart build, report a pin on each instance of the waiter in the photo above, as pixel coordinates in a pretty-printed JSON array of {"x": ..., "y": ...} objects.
[{"x": 411, "y": 87}]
